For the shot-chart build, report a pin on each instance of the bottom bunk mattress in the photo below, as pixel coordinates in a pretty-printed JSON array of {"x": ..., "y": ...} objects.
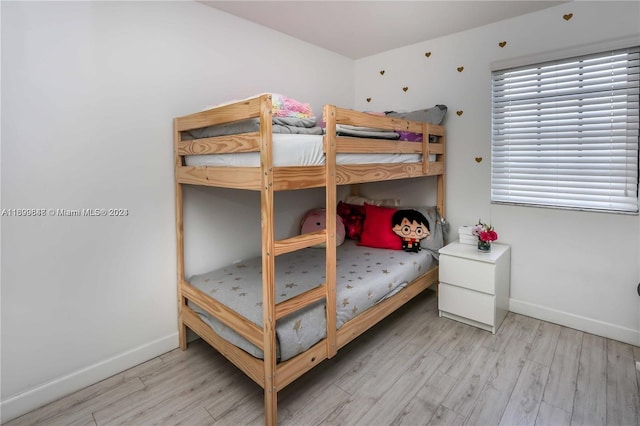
[{"x": 365, "y": 276}]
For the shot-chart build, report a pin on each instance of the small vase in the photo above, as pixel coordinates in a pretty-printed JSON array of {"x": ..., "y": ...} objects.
[{"x": 484, "y": 246}]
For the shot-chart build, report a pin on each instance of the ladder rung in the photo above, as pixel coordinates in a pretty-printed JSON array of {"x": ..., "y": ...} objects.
[
  {"x": 300, "y": 241},
  {"x": 300, "y": 301}
]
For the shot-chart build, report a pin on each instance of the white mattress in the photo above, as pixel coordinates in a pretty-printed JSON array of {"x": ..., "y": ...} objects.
[{"x": 298, "y": 150}]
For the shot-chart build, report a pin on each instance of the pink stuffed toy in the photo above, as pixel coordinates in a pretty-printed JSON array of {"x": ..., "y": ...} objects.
[{"x": 315, "y": 220}]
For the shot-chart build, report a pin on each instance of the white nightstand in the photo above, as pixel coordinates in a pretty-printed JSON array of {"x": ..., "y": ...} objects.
[{"x": 474, "y": 286}]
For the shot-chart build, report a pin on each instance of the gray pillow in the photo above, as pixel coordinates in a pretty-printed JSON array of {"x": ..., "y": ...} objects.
[{"x": 433, "y": 115}]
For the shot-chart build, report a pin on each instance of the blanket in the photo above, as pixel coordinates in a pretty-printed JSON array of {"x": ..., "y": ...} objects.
[{"x": 290, "y": 125}]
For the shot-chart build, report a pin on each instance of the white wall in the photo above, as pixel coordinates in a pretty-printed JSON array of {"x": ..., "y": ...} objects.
[
  {"x": 89, "y": 91},
  {"x": 574, "y": 268}
]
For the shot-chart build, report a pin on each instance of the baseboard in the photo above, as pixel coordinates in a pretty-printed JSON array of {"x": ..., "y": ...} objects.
[
  {"x": 38, "y": 396},
  {"x": 589, "y": 325}
]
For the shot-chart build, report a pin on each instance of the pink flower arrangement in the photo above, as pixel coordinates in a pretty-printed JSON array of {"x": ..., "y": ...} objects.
[{"x": 484, "y": 232}]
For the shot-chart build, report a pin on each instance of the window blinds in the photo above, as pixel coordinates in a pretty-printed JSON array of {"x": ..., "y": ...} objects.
[{"x": 565, "y": 133}]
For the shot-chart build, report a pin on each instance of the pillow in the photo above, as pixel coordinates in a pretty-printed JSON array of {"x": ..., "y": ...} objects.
[
  {"x": 315, "y": 220},
  {"x": 377, "y": 230},
  {"x": 353, "y": 218},
  {"x": 389, "y": 202},
  {"x": 433, "y": 115},
  {"x": 286, "y": 107}
]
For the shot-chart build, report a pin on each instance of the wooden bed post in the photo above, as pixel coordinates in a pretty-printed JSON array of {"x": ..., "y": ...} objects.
[
  {"x": 268, "y": 262},
  {"x": 182, "y": 329},
  {"x": 440, "y": 178},
  {"x": 330, "y": 270}
]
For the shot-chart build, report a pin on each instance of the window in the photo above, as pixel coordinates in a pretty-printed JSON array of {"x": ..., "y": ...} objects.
[{"x": 565, "y": 133}]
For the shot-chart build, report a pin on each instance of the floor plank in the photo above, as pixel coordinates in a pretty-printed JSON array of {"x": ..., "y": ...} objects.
[
  {"x": 544, "y": 345},
  {"x": 623, "y": 402},
  {"x": 525, "y": 400},
  {"x": 403, "y": 390},
  {"x": 550, "y": 415},
  {"x": 561, "y": 383},
  {"x": 590, "y": 401},
  {"x": 426, "y": 401}
]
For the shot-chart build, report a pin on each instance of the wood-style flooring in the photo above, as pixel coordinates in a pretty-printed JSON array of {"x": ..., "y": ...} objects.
[{"x": 413, "y": 368}]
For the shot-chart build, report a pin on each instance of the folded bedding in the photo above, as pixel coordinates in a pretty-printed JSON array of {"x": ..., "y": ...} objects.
[
  {"x": 280, "y": 125},
  {"x": 433, "y": 115},
  {"x": 365, "y": 132},
  {"x": 283, "y": 106},
  {"x": 293, "y": 117},
  {"x": 365, "y": 276}
]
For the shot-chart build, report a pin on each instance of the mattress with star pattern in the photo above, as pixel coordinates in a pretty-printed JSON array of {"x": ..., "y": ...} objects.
[{"x": 365, "y": 276}]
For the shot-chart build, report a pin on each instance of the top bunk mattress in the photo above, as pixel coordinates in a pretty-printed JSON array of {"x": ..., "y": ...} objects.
[{"x": 298, "y": 150}]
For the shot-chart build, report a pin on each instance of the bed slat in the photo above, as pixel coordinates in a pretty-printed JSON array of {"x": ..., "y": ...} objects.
[
  {"x": 222, "y": 177},
  {"x": 299, "y": 242},
  {"x": 352, "y": 145},
  {"x": 357, "y": 118},
  {"x": 300, "y": 301},
  {"x": 244, "y": 142},
  {"x": 294, "y": 177},
  {"x": 251, "y": 366},
  {"x": 360, "y": 173},
  {"x": 436, "y": 148},
  {"x": 242, "y": 110},
  {"x": 295, "y": 367},
  {"x": 227, "y": 316}
]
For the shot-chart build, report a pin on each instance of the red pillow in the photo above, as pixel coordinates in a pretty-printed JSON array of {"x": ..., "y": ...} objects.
[
  {"x": 377, "y": 231},
  {"x": 353, "y": 219}
]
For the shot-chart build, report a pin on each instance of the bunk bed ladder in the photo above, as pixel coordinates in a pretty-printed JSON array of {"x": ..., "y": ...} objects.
[{"x": 272, "y": 248}]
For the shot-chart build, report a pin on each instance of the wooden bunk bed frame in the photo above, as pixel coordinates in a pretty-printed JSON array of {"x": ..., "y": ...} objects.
[{"x": 267, "y": 179}]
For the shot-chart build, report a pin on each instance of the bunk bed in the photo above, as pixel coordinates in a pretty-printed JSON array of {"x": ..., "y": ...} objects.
[{"x": 341, "y": 163}]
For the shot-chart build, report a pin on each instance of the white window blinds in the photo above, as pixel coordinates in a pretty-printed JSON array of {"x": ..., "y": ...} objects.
[{"x": 565, "y": 133}]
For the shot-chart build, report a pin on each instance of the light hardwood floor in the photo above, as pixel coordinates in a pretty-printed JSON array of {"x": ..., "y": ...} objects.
[{"x": 414, "y": 368}]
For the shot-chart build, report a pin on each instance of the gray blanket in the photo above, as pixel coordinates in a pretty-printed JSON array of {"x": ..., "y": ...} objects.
[
  {"x": 365, "y": 132},
  {"x": 302, "y": 126}
]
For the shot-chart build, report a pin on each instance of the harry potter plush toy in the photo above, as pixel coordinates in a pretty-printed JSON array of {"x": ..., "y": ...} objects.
[{"x": 411, "y": 226}]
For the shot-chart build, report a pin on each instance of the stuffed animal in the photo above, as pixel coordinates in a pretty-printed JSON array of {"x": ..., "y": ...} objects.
[
  {"x": 315, "y": 220},
  {"x": 411, "y": 226}
]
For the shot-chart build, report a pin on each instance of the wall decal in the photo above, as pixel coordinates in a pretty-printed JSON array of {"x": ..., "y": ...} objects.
[
  {"x": 368, "y": 99},
  {"x": 567, "y": 16},
  {"x": 405, "y": 88},
  {"x": 427, "y": 54},
  {"x": 460, "y": 69},
  {"x": 381, "y": 72},
  {"x": 502, "y": 44},
  {"x": 459, "y": 113},
  {"x": 478, "y": 159}
]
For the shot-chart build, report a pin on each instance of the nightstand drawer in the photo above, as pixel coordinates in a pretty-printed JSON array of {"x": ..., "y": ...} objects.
[
  {"x": 466, "y": 303},
  {"x": 467, "y": 273}
]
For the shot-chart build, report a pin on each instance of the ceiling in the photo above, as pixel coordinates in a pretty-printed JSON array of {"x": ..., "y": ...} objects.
[{"x": 357, "y": 29}]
